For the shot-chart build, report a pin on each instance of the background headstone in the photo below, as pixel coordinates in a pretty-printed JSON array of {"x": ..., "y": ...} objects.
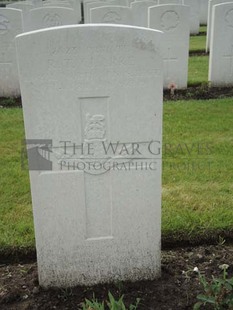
[
  {"x": 93, "y": 5},
  {"x": 173, "y": 20},
  {"x": 10, "y": 26},
  {"x": 221, "y": 46},
  {"x": 209, "y": 22},
  {"x": 170, "y": 2},
  {"x": 194, "y": 15},
  {"x": 112, "y": 15},
  {"x": 140, "y": 12},
  {"x": 46, "y": 17},
  {"x": 25, "y": 7},
  {"x": 72, "y": 4},
  {"x": 203, "y": 12},
  {"x": 87, "y": 12},
  {"x": 95, "y": 84}
]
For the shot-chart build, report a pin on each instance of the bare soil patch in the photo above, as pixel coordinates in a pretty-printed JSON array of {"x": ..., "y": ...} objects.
[{"x": 176, "y": 289}]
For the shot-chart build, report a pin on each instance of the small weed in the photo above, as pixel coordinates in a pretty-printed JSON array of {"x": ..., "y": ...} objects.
[
  {"x": 7, "y": 102},
  {"x": 112, "y": 304},
  {"x": 221, "y": 240},
  {"x": 218, "y": 293},
  {"x": 65, "y": 294}
]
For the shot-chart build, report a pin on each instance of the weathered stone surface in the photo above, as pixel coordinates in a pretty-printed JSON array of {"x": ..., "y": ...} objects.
[
  {"x": 10, "y": 26},
  {"x": 174, "y": 21},
  {"x": 96, "y": 208},
  {"x": 47, "y": 17},
  {"x": 112, "y": 15},
  {"x": 221, "y": 46}
]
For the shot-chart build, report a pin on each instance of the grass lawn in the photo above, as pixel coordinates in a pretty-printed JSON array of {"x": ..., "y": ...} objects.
[
  {"x": 203, "y": 28},
  {"x": 197, "y": 178},
  {"x": 16, "y": 226},
  {"x": 198, "y": 70},
  {"x": 197, "y": 43},
  {"x": 197, "y": 184}
]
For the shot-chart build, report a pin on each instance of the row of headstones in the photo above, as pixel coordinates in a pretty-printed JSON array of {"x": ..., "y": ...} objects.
[
  {"x": 175, "y": 50},
  {"x": 173, "y": 20},
  {"x": 38, "y": 14},
  {"x": 221, "y": 44},
  {"x": 135, "y": 13},
  {"x": 25, "y": 16}
]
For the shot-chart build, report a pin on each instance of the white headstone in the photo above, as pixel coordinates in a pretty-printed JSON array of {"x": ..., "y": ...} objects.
[
  {"x": 156, "y": 1},
  {"x": 87, "y": 12},
  {"x": 36, "y": 3},
  {"x": 97, "y": 213},
  {"x": 93, "y": 5},
  {"x": 72, "y": 4},
  {"x": 10, "y": 26},
  {"x": 194, "y": 15},
  {"x": 85, "y": 3},
  {"x": 170, "y": 2},
  {"x": 209, "y": 23},
  {"x": 112, "y": 15},
  {"x": 46, "y": 17},
  {"x": 25, "y": 7},
  {"x": 203, "y": 11},
  {"x": 140, "y": 12},
  {"x": 173, "y": 20},
  {"x": 221, "y": 46}
]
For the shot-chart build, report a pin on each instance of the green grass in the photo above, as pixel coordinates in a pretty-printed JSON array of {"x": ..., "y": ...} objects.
[
  {"x": 198, "y": 70},
  {"x": 197, "y": 187},
  {"x": 16, "y": 226},
  {"x": 197, "y": 43},
  {"x": 196, "y": 200},
  {"x": 203, "y": 28}
]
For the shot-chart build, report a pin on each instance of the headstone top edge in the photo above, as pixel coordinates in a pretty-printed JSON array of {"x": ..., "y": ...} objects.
[
  {"x": 91, "y": 26},
  {"x": 170, "y": 5},
  {"x": 10, "y": 9},
  {"x": 225, "y": 4}
]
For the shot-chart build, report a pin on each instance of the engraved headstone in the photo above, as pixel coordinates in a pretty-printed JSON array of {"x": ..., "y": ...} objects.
[
  {"x": 86, "y": 11},
  {"x": 93, "y": 5},
  {"x": 47, "y": 17},
  {"x": 112, "y": 15},
  {"x": 72, "y": 4},
  {"x": 209, "y": 23},
  {"x": 173, "y": 20},
  {"x": 25, "y": 7},
  {"x": 92, "y": 97},
  {"x": 221, "y": 46},
  {"x": 85, "y": 2},
  {"x": 170, "y": 2},
  {"x": 10, "y": 26},
  {"x": 194, "y": 12},
  {"x": 140, "y": 12},
  {"x": 203, "y": 11},
  {"x": 36, "y": 3},
  {"x": 194, "y": 15}
]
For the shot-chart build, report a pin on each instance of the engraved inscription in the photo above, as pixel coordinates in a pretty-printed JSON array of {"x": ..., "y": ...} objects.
[
  {"x": 142, "y": 45},
  {"x": 229, "y": 18},
  {"x": 112, "y": 17},
  {"x": 95, "y": 127},
  {"x": 4, "y": 24},
  {"x": 170, "y": 20},
  {"x": 229, "y": 58},
  {"x": 52, "y": 20},
  {"x": 168, "y": 60}
]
